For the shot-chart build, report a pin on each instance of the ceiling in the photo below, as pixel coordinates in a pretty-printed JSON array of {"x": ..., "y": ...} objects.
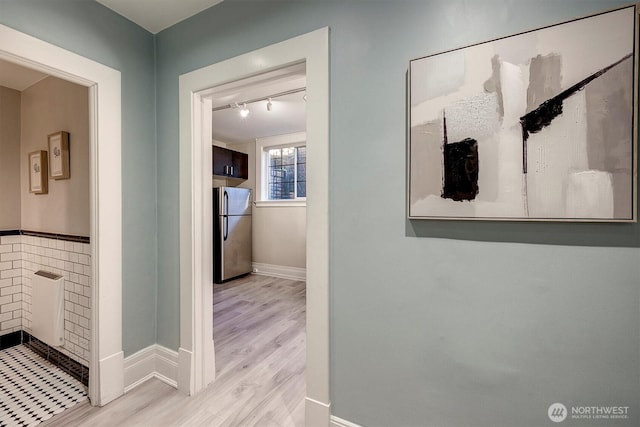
[
  {"x": 287, "y": 115},
  {"x": 18, "y": 77},
  {"x": 156, "y": 15}
]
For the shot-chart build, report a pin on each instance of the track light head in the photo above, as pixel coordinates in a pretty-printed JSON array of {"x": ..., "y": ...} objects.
[
  {"x": 269, "y": 104},
  {"x": 244, "y": 112}
]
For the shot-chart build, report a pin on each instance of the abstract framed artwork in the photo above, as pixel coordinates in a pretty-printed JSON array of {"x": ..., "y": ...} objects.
[
  {"x": 38, "y": 178},
  {"x": 59, "y": 155},
  {"x": 539, "y": 126}
]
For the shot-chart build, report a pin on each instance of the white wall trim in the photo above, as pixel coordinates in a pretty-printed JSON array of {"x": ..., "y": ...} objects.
[
  {"x": 289, "y": 139},
  {"x": 105, "y": 183},
  {"x": 316, "y": 413},
  {"x": 111, "y": 370},
  {"x": 339, "y": 422},
  {"x": 139, "y": 367},
  {"x": 297, "y": 203},
  {"x": 154, "y": 361},
  {"x": 167, "y": 365},
  {"x": 195, "y": 197},
  {"x": 186, "y": 383},
  {"x": 282, "y": 271}
]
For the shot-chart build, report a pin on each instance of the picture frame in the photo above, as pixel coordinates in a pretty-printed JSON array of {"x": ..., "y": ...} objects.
[
  {"x": 537, "y": 126},
  {"x": 59, "y": 155},
  {"x": 38, "y": 177}
]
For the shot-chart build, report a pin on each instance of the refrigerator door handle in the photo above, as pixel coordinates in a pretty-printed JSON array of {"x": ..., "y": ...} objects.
[{"x": 225, "y": 217}]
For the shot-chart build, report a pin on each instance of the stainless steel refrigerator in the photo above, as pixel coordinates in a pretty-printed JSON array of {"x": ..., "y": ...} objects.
[{"x": 231, "y": 233}]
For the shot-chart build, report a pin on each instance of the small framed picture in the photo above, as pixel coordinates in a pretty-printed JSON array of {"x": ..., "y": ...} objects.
[
  {"x": 38, "y": 178},
  {"x": 59, "y": 155}
]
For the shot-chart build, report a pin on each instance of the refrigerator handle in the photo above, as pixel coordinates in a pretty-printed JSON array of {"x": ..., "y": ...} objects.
[{"x": 225, "y": 217}]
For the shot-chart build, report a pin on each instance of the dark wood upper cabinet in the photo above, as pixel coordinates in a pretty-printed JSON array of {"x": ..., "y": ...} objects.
[
  {"x": 229, "y": 163},
  {"x": 240, "y": 162},
  {"x": 221, "y": 161}
]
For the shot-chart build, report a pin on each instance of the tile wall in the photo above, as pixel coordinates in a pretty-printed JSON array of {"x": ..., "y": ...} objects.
[
  {"x": 20, "y": 257},
  {"x": 11, "y": 296}
]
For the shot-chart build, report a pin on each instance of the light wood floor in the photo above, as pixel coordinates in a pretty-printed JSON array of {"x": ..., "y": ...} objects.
[{"x": 259, "y": 335}]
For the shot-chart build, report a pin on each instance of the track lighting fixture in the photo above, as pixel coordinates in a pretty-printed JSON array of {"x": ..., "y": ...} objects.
[{"x": 244, "y": 112}]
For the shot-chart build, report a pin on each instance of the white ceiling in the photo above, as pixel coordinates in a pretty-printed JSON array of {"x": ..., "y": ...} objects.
[
  {"x": 17, "y": 77},
  {"x": 156, "y": 15},
  {"x": 287, "y": 115}
]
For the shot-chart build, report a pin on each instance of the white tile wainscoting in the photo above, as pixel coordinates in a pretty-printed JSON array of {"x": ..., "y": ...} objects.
[
  {"x": 11, "y": 296},
  {"x": 20, "y": 257}
]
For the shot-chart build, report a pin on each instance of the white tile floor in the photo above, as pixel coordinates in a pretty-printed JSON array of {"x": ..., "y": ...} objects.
[{"x": 32, "y": 389}]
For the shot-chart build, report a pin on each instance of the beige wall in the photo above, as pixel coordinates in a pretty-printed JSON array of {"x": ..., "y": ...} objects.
[
  {"x": 279, "y": 233},
  {"x": 9, "y": 159},
  {"x": 279, "y": 236},
  {"x": 250, "y": 149},
  {"x": 50, "y": 106}
]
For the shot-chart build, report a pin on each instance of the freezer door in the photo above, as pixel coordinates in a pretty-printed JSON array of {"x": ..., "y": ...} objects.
[
  {"x": 234, "y": 201},
  {"x": 235, "y": 251}
]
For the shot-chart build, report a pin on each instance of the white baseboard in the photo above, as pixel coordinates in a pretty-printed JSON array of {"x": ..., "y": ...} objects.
[
  {"x": 111, "y": 378},
  {"x": 282, "y": 271},
  {"x": 185, "y": 384},
  {"x": 316, "y": 413},
  {"x": 339, "y": 422},
  {"x": 167, "y": 366},
  {"x": 154, "y": 361}
]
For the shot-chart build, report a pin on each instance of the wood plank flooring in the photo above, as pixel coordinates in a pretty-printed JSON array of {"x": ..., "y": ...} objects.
[{"x": 259, "y": 335}]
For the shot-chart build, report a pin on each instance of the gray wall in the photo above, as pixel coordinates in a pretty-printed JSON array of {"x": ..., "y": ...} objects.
[
  {"x": 432, "y": 323},
  {"x": 93, "y": 31}
]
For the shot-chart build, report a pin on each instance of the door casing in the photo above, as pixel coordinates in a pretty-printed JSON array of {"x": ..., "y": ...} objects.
[
  {"x": 196, "y": 352},
  {"x": 106, "y": 370}
]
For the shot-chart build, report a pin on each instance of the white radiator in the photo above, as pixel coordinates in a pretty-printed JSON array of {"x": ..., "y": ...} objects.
[{"x": 47, "y": 307}]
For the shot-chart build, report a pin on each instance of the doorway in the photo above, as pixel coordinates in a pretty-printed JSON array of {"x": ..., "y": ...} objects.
[
  {"x": 196, "y": 273},
  {"x": 259, "y": 320},
  {"x": 106, "y": 380}
]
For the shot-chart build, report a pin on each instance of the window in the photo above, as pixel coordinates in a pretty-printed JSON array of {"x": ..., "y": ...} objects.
[
  {"x": 281, "y": 170},
  {"x": 286, "y": 173}
]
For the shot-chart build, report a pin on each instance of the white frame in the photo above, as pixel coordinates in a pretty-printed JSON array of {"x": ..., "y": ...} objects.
[
  {"x": 59, "y": 169},
  {"x": 527, "y": 218},
  {"x": 106, "y": 367},
  {"x": 262, "y": 145},
  {"x": 195, "y": 367},
  {"x": 38, "y": 180}
]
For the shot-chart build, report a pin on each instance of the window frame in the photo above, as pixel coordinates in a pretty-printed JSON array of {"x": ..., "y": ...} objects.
[{"x": 263, "y": 145}]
